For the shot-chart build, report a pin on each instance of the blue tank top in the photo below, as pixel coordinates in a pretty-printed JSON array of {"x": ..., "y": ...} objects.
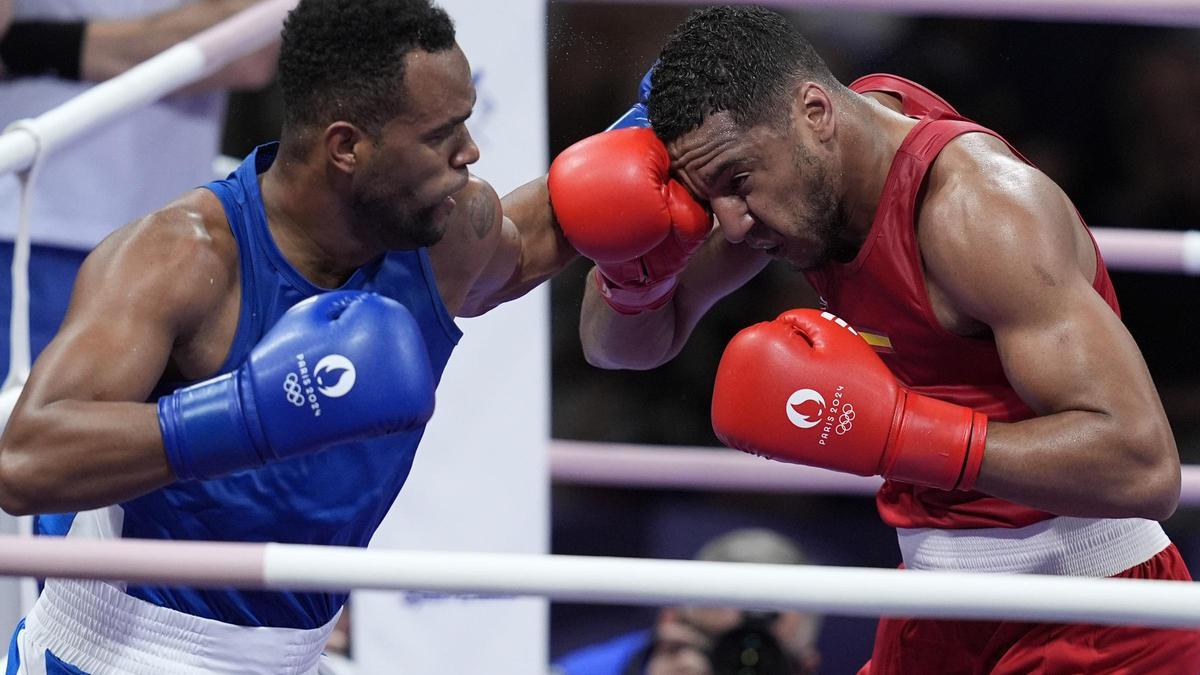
[{"x": 334, "y": 497}]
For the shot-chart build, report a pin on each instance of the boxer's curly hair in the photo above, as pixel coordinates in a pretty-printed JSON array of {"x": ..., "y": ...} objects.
[
  {"x": 344, "y": 59},
  {"x": 741, "y": 59}
]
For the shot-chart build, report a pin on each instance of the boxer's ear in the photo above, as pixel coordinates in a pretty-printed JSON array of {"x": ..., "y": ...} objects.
[
  {"x": 343, "y": 142},
  {"x": 813, "y": 110}
]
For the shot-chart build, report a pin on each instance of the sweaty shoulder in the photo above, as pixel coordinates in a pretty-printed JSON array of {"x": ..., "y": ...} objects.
[
  {"x": 992, "y": 229},
  {"x": 182, "y": 257}
]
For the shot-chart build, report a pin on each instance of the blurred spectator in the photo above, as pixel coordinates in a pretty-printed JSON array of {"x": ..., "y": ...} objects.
[
  {"x": 1156, "y": 115},
  {"x": 714, "y": 640},
  {"x": 5, "y": 20}
]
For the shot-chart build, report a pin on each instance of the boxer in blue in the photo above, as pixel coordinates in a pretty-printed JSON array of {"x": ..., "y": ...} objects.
[{"x": 257, "y": 360}]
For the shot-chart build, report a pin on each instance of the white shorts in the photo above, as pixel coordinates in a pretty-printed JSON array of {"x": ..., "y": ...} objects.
[{"x": 95, "y": 628}]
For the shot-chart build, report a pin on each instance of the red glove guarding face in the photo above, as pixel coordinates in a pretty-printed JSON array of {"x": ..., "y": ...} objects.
[
  {"x": 806, "y": 388},
  {"x": 617, "y": 205}
]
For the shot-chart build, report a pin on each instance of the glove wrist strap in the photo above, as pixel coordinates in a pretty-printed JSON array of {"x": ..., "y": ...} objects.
[
  {"x": 631, "y": 300},
  {"x": 935, "y": 443},
  {"x": 204, "y": 430}
]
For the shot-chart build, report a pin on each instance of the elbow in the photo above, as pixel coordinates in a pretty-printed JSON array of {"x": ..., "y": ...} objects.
[
  {"x": 600, "y": 359},
  {"x": 17, "y": 489},
  {"x": 1160, "y": 492},
  {"x": 1152, "y": 477},
  {"x": 645, "y": 353}
]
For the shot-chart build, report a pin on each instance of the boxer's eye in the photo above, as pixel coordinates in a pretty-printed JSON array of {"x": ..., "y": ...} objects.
[{"x": 738, "y": 182}]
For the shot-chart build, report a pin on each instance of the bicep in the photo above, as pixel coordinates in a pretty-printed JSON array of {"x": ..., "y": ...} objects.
[
  {"x": 113, "y": 345},
  {"x": 1072, "y": 353},
  {"x": 102, "y": 352},
  {"x": 1013, "y": 264}
]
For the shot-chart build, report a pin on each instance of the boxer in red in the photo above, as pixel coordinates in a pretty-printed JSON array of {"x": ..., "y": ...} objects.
[{"x": 970, "y": 350}]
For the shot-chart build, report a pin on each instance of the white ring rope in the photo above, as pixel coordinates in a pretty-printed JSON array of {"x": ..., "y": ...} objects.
[
  {"x": 1164, "y": 251},
  {"x": 835, "y": 590},
  {"x": 19, "y": 361},
  {"x": 1148, "y": 12},
  {"x": 693, "y": 468},
  {"x": 703, "y": 468}
]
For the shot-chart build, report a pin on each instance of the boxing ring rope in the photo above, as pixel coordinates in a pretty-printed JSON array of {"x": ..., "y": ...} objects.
[
  {"x": 1163, "y": 251},
  {"x": 693, "y": 468},
  {"x": 834, "y": 590},
  {"x": 1148, "y": 12},
  {"x": 703, "y": 468}
]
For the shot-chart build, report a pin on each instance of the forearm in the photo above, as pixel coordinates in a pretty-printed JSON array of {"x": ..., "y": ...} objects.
[
  {"x": 1086, "y": 464},
  {"x": 78, "y": 455},
  {"x": 624, "y": 341}
]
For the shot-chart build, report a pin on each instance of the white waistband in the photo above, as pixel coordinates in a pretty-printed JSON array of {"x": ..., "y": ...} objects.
[
  {"x": 1080, "y": 547},
  {"x": 98, "y": 628}
]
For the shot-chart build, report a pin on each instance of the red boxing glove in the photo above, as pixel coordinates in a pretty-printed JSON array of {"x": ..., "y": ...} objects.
[
  {"x": 618, "y": 205},
  {"x": 806, "y": 388}
]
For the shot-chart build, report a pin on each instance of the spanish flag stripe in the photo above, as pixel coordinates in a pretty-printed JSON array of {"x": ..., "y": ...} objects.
[{"x": 877, "y": 340}]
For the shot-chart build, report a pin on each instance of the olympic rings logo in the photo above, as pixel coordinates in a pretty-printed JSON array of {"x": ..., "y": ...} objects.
[
  {"x": 845, "y": 420},
  {"x": 291, "y": 387}
]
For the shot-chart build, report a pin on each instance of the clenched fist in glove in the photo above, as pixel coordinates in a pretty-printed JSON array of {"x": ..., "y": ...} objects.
[{"x": 806, "y": 388}]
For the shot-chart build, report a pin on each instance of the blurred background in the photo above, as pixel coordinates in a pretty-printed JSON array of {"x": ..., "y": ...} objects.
[{"x": 1111, "y": 112}]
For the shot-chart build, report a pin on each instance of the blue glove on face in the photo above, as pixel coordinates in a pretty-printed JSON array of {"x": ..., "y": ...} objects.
[
  {"x": 337, "y": 367},
  {"x": 637, "y": 115}
]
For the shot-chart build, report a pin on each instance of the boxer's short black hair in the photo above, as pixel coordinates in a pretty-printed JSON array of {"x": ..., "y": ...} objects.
[
  {"x": 741, "y": 59},
  {"x": 344, "y": 59}
]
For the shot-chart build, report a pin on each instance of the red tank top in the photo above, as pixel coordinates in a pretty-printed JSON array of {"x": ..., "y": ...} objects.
[{"x": 882, "y": 294}]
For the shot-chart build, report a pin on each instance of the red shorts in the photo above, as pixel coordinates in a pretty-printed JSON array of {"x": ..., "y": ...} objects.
[{"x": 920, "y": 646}]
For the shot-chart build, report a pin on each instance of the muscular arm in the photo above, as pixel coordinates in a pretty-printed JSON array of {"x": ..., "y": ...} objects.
[
  {"x": 112, "y": 46},
  {"x": 517, "y": 246},
  {"x": 1006, "y": 248},
  {"x": 650, "y": 339},
  {"x": 81, "y": 435}
]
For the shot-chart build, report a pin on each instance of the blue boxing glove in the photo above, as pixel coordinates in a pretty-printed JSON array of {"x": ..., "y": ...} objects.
[
  {"x": 637, "y": 115},
  {"x": 337, "y": 367}
]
